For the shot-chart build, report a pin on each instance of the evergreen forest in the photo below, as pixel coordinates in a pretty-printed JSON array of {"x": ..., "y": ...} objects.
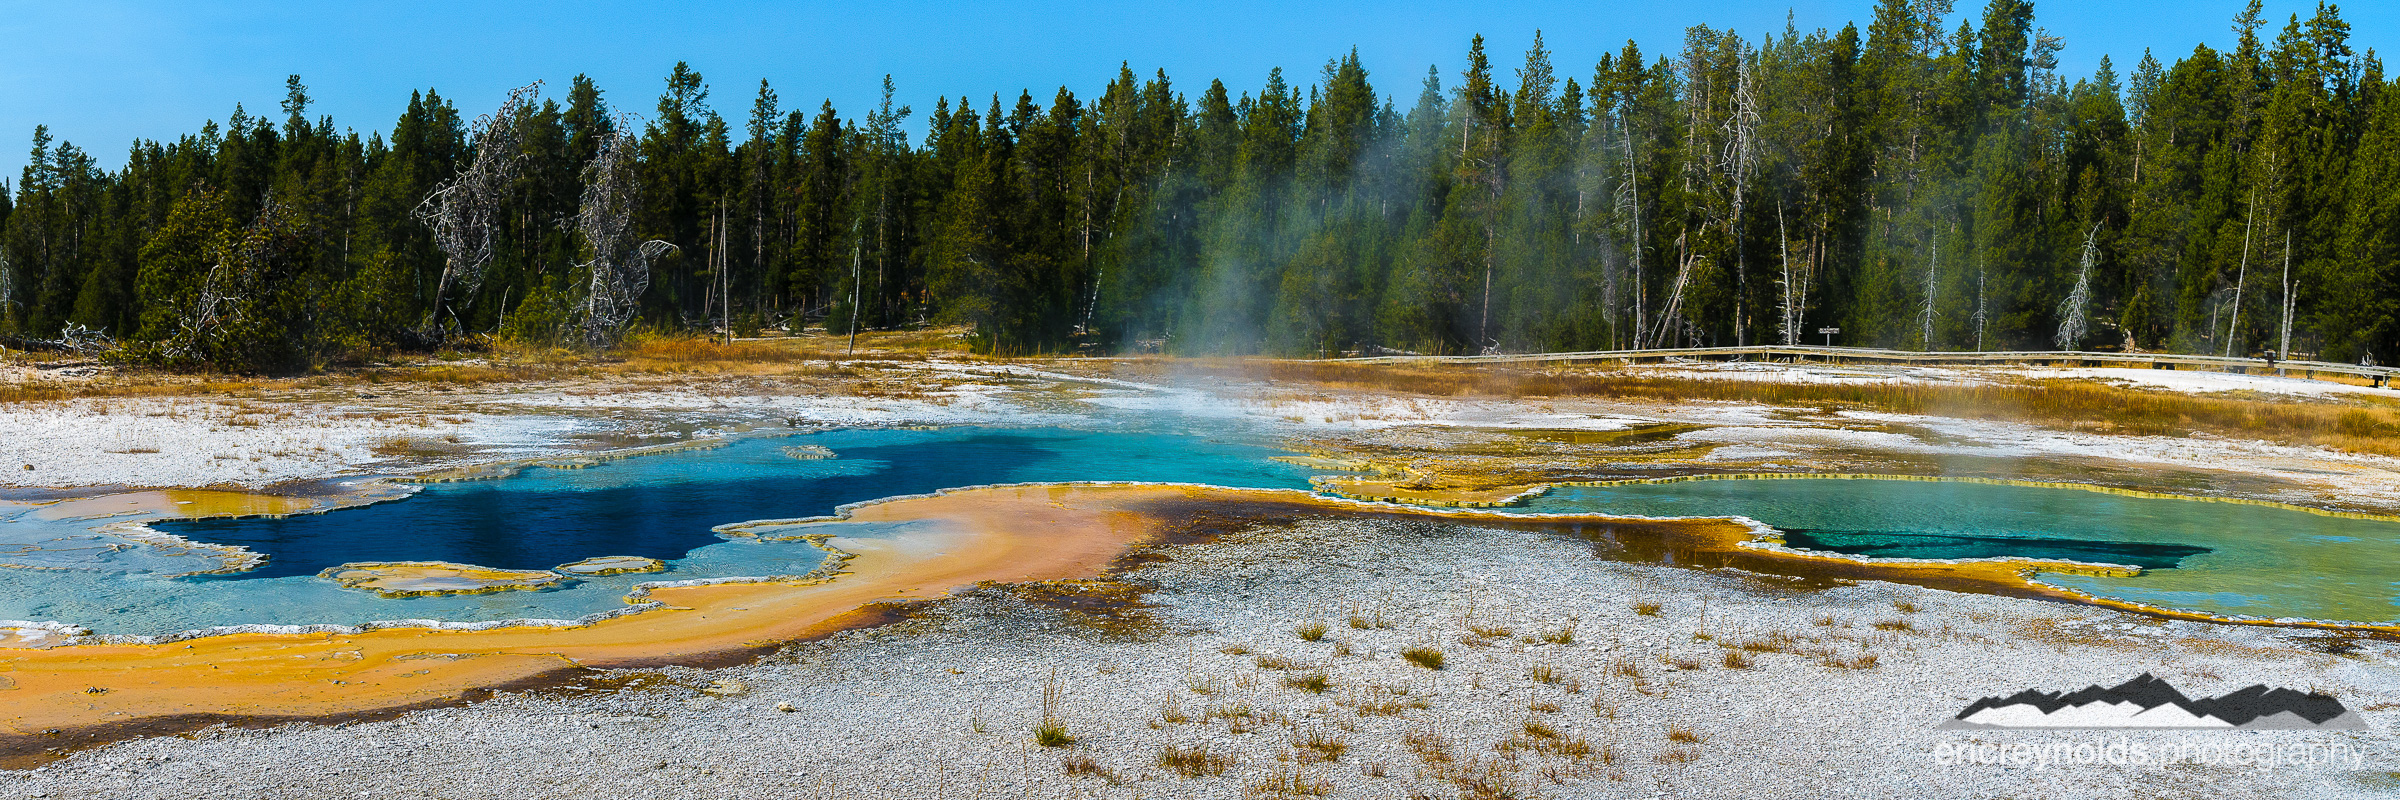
[{"x": 1918, "y": 186}]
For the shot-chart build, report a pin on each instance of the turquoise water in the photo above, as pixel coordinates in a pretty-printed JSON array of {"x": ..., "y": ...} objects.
[
  {"x": 661, "y": 506},
  {"x": 2214, "y": 557},
  {"x": 2223, "y": 558}
]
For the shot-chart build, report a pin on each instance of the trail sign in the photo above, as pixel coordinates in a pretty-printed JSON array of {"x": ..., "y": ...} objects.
[{"x": 1829, "y": 332}]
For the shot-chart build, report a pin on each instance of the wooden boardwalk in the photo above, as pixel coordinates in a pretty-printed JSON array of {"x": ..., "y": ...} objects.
[{"x": 2379, "y": 376}]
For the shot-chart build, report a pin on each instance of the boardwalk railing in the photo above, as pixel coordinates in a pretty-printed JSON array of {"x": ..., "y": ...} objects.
[{"x": 2377, "y": 375}]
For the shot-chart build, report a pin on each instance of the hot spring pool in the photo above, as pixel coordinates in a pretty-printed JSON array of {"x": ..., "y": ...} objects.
[
  {"x": 2216, "y": 557},
  {"x": 660, "y": 506},
  {"x": 2225, "y": 558}
]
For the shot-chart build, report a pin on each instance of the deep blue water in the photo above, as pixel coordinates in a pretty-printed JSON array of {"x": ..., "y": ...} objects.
[{"x": 662, "y": 506}]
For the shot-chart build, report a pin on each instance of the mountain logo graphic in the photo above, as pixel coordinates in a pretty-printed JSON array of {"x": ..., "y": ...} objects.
[{"x": 2150, "y": 703}]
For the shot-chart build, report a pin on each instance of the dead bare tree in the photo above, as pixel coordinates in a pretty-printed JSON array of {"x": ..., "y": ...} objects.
[
  {"x": 2283, "y": 346},
  {"x": 620, "y": 267},
  {"x": 1629, "y": 206},
  {"x": 2075, "y": 313},
  {"x": 463, "y": 211},
  {"x": 1739, "y": 164}
]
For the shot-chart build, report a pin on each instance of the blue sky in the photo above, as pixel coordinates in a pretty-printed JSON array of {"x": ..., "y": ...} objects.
[{"x": 102, "y": 72}]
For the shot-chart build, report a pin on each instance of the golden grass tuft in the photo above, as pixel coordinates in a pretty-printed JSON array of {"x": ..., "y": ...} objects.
[
  {"x": 1311, "y": 682},
  {"x": 1310, "y": 631},
  {"x": 1193, "y": 762}
]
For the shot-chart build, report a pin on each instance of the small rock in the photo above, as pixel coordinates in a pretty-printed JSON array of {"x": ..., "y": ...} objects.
[{"x": 786, "y": 707}]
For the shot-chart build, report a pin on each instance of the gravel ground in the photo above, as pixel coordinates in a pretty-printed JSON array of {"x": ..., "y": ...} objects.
[{"x": 1631, "y": 704}]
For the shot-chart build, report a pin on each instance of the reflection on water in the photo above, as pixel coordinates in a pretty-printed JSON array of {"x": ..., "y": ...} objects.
[
  {"x": 1901, "y": 544},
  {"x": 2221, "y": 558}
]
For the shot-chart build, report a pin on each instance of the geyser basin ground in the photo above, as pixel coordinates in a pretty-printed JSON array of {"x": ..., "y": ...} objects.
[
  {"x": 2223, "y": 558},
  {"x": 2215, "y": 558},
  {"x": 660, "y": 506}
]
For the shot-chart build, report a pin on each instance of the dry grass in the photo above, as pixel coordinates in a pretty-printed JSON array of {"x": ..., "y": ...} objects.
[
  {"x": 1052, "y": 731},
  {"x": 1310, "y": 631},
  {"x": 1382, "y": 701},
  {"x": 1429, "y": 747},
  {"x": 1279, "y": 784},
  {"x": 1193, "y": 762},
  {"x": 1272, "y": 661},
  {"x": 1544, "y": 672},
  {"x": 1861, "y": 661},
  {"x": 1171, "y": 712},
  {"x": 1080, "y": 764},
  {"x": 1736, "y": 659},
  {"x": 1682, "y": 735},
  {"x": 1310, "y": 682},
  {"x": 2368, "y": 426},
  {"x": 1904, "y": 607},
  {"x": 1318, "y": 744},
  {"x": 1563, "y": 634},
  {"x": 1368, "y": 618},
  {"x": 1489, "y": 631},
  {"x": 1647, "y": 608},
  {"x": 1900, "y": 625},
  {"x": 1426, "y": 656}
]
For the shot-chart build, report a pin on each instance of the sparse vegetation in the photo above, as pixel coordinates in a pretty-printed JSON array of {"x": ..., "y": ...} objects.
[
  {"x": 1860, "y": 661},
  {"x": 1081, "y": 764},
  {"x": 1647, "y": 608},
  {"x": 2058, "y": 403},
  {"x": 1425, "y": 656},
  {"x": 1904, "y": 607},
  {"x": 1171, "y": 712},
  {"x": 1429, "y": 747},
  {"x": 1311, "y": 682},
  {"x": 1195, "y": 761},
  {"x": 1544, "y": 672},
  {"x": 1736, "y": 659},
  {"x": 1052, "y": 731},
  {"x": 1366, "y": 619},
  {"x": 1682, "y": 734},
  {"x": 1293, "y": 783},
  {"x": 1900, "y": 625},
  {"x": 1563, "y": 634},
  {"x": 1383, "y": 701},
  {"x": 1318, "y": 744},
  {"x": 1310, "y": 631}
]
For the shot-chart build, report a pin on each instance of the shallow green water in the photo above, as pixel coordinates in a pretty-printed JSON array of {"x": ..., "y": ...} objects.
[{"x": 2223, "y": 558}]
